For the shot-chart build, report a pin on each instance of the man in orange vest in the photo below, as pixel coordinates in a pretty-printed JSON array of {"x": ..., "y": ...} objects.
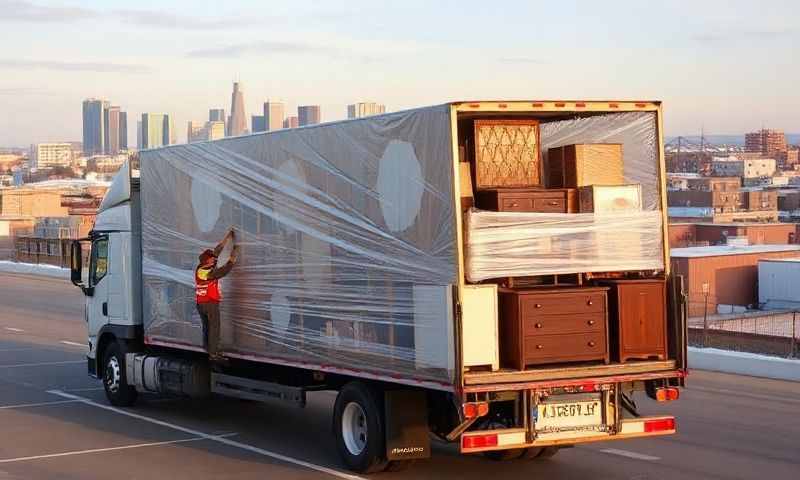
[{"x": 207, "y": 293}]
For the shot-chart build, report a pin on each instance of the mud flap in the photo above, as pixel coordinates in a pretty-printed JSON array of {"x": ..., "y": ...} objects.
[{"x": 406, "y": 413}]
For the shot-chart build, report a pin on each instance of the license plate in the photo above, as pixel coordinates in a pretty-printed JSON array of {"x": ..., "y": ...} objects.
[{"x": 557, "y": 415}]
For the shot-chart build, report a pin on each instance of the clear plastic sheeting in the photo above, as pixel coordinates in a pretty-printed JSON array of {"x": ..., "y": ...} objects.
[
  {"x": 513, "y": 244},
  {"x": 636, "y": 131},
  {"x": 347, "y": 234}
]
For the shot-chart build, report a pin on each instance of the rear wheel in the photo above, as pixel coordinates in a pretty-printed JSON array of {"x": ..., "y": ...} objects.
[
  {"x": 115, "y": 381},
  {"x": 539, "y": 453},
  {"x": 358, "y": 426}
]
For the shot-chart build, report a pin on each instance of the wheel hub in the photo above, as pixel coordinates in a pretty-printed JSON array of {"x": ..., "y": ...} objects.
[
  {"x": 354, "y": 428},
  {"x": 113, "y": 376}
]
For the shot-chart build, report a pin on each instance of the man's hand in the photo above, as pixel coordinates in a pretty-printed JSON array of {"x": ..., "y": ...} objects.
[{"x": 235, "y": 254}]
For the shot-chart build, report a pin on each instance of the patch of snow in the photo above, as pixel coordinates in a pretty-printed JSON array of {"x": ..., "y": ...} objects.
[{"x": 33, "y": 269}]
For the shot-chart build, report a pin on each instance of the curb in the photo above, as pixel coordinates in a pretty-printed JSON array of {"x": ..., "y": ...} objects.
[
  {"x": 744, "y": 363},
  {"x": 33, "y": 269}
]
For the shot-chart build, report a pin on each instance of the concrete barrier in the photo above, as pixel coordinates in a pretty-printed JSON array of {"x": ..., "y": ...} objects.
[
  {"x": 33, "y": 269},
  {"x": 744, "y": 363}
]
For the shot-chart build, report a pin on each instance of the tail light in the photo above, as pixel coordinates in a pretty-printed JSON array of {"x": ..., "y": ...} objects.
[
  {"x": 479, "y": 441},
  {"x": 475, "y": 409},
  {"x": 659, "y": 425},
  {"x": 667, "y": 394}
]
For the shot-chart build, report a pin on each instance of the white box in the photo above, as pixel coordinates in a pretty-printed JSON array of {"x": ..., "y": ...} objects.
[{"x": 479, "y": 326}]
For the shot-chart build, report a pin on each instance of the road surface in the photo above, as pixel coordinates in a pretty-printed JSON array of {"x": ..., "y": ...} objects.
[{"x": 55, "y": 423}]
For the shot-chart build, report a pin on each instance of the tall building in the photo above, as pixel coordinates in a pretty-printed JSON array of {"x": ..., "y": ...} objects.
[
  {"x": 291, "y": 122},
  {"x": 214, "y": 130},
  {"x": 770, "y": 143},
  {"x": 111, "y": 131},
  {"x": 139, "y": 140},
  {"x": 94, "y": 126},
  {"x": 308, "y": 115},
  {"x": 365, "y": 109},
  {"x": 257, "y": 124},
  {"x": 238, "y": 123},
  {"x": 157, "y": 130},
  {"x": 123, "y": 130},
  {"x": 216, "y": 115},
  {"x": 46, "y": 155},
  {"x": 194, "y": 132},
  {"x": 273, "y": 115}
]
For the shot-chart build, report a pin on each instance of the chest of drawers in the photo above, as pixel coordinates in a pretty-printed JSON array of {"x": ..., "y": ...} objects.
[
  {"x": 556, "y": 325},
  {"x": 561, "y": 200}
]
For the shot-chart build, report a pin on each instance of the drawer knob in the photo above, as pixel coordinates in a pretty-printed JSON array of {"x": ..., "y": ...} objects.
[
  {"x": 539, "y": 347},
  {"x": 514, "y": 205},
  {"x": 590, "y": 322},
  {"x": 538, "y": 325},
  {"x": 592, "y": 344},
  {"x": 553, "y": 203},
  {"x": 538, "y": 305},
  {"x": 589, "y": 302}
]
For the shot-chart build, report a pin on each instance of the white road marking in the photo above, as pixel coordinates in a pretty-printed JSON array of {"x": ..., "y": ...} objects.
[
  {"x": 224, "y": 441},
  {"x": 108, "y": 449},
  {"x": 625, "y": 453},
  {"x": 75, "y": 344},
  {"x": 88, "y": 389},
  {"x": 40, "y": 404},
  {"x": 43, "y": 364},
  {"x": 12, "y": 329}
]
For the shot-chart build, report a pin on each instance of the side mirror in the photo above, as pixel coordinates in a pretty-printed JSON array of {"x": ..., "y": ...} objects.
[{"x": 76, "y": 264}]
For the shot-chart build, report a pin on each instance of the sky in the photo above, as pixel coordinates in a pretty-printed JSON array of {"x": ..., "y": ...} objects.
[{"x": 723, "y": 66}]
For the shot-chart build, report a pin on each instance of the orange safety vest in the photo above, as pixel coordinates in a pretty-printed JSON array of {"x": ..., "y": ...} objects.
[{"x": 205, "y": 290}]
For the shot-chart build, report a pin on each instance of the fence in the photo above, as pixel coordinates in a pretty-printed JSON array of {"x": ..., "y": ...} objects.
[
  {"x": 770, "y": 333},
  {"x": 49, "y": 251}
]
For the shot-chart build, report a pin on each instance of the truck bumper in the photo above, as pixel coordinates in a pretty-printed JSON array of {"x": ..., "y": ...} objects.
[{"x": 504, "y": 439}]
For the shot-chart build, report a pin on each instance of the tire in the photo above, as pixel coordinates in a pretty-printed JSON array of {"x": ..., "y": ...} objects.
[
  {"x": 115, "y": 379},
  {"x": 359, "y": 429},
  {"x": 547, "y": 452},
  {"x": 504, "y": 455}
]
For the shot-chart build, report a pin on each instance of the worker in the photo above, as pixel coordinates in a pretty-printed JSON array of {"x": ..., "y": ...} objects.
[{"x": 207, "y": 292}]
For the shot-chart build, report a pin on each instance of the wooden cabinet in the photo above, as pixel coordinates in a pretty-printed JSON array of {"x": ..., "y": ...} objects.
[
  {"x": 573, "y": 166},
  {"x": 479, "y": 326},
  {"x": 553, "y": 325},
  {"x": 507, "y": 154},
  {"x": 562, "y": 200},
  {"x": 638, "y": 326}
]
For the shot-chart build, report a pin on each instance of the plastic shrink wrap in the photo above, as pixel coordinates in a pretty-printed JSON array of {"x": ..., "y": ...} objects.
[{"x": 347, "y": 238}]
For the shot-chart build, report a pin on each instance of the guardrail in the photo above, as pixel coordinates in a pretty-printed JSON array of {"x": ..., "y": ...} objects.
[{"x": 47, "y": 251}]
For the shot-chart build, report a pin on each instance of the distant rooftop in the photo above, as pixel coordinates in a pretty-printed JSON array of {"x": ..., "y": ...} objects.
[
  {"x": 735, "y": 224},
  {"x": 720, "y": 250},
  {"x": 790, "y": 260}
]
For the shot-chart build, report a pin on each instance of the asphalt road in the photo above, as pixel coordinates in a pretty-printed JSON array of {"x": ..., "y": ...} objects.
[{"x": 55, "y": 423}]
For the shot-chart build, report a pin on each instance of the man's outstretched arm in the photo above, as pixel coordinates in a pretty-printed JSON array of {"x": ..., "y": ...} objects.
[
  {"x": 221, "y": 245},
  {"x": 225, "y": 269}
]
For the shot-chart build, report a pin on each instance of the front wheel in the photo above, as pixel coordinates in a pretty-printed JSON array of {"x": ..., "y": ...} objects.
[
  {"x": 358, "y": 426},
  {"x": 115, "y": 379}
]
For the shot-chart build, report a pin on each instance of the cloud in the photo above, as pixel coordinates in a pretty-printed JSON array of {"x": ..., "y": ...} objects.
[
  {"x": 25, "y": 11},
  {"x": 21, "y": 10},
  {"x": 264, "y": 48},
  {"x": 522, "y": 60},
  {"x": 749, "y": 35},
  {"x": 97, "y": 67}
]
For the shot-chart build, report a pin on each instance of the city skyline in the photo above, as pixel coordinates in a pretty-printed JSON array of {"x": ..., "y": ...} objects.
[{"x": 691, "y": 63}]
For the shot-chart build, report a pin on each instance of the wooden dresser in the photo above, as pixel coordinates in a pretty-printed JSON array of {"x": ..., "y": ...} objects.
[
  {"x": 553, "y": 325},
  {"x": 638, "y": 312},
  {"x": 559, "y": 200}
]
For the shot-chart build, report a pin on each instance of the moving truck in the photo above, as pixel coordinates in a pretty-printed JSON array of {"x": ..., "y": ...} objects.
[{"x": 457, "y": 269}]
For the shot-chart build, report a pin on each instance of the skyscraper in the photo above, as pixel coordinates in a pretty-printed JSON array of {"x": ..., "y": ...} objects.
[
  {"x": 93, "y": 126},
  {"x": 365, "y": 109},
  {"x": 157, "y": 130},
  {"x": 123, "y": 130},
  {"x": 139, "y": 140},
  {"x": 238, "y": 122},
  {"x": 273, "y": 115},
  {"x": 308, "y": 115},
  {"x": 257, "y": 124},
  {"x": 216, "y": 115},
  {"x": 111, "y": 132},
  {"x": 194, "y": 132},
  {"x": 291, "y": 122}
]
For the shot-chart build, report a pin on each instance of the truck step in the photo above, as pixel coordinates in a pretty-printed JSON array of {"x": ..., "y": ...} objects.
[{"x": 257, "y": 390}]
